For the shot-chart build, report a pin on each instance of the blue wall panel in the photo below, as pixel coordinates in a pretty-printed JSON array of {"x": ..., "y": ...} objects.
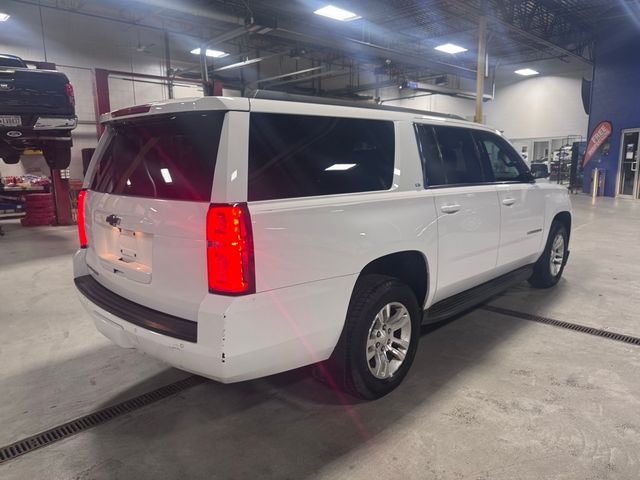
[{"x": 615, "y": 94}]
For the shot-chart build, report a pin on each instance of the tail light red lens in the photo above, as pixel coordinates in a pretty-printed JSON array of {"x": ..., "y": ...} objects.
[
  {"x": 131, "y": 110},
  {"x": 68, "y": 88},
  {"x": 82, "y": 230},
  {"x": 230, "y": 260}
]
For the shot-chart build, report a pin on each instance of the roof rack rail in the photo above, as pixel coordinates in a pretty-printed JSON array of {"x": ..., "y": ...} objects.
[{"x": 289, "y": 97}]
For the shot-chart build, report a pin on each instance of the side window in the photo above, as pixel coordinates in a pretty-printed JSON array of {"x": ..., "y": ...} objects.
[
  {"x": 301, "y": 156},
  {"x": 506, "y": 164},
  {"x": 460, "y": 159},
  {"x": 432, "y": 168}
]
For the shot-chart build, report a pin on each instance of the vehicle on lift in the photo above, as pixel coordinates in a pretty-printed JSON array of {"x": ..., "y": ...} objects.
[
  {"x": 37, "y": 111},
  {"x": 237, "y": 238}
]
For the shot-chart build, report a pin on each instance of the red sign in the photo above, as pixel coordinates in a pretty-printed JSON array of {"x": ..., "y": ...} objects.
[{"x": 598, "y": 137}]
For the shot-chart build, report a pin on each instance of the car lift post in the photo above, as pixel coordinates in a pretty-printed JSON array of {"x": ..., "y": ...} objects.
[{"x": 60, "y": 189}]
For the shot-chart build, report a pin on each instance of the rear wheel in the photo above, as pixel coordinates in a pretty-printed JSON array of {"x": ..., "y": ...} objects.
[
  {"x": 549, "y": 267},
  {"x": 379, "y": 339},
  {"x": 58, "y": 157}
]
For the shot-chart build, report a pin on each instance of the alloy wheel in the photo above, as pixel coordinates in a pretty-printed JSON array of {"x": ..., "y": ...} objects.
[{"x": 388, "y": 340}]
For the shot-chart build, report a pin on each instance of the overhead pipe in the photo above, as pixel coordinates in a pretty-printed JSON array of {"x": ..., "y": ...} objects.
[
  {"x": 440, "y": 90},
  {"x": 285, "y": 75},
  {"x": 330, "y": 73},
  {"x": 417, "y": 95}
]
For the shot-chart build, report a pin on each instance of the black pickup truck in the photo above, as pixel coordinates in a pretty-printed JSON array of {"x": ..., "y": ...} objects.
[{"x": 37, "y": 111}]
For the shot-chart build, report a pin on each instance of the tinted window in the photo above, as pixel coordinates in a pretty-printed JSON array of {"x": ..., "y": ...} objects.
[
  {"x": 169, "y": 157},
  {"x": 8, "y": 61},
  {"x": 301, "y": 156},
  {"x": 505, "y": 163},
  {"x": 432, "y": 167},
  {"x": 459, "y": 156}
]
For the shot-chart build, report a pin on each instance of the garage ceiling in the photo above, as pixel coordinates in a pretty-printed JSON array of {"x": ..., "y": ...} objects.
[{"x": 394, "y": 37}]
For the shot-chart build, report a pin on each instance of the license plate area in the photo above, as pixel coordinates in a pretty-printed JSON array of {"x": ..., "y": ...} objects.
[
  {"x": 10, "y": 121},
  {"x": 127, "y": 246},
  {"x": 128, "y": 254}
]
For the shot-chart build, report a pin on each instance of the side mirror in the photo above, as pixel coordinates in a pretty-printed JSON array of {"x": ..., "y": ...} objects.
[{"x": 540, "y": 171}]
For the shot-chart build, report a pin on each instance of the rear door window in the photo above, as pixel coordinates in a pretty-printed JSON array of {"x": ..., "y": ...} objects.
[
  {"x": 460, "y": 160},
  {"x": 167, "y": 157},
  {"x": 432, "y": 167},
  {"x": 301, "y": 156}
]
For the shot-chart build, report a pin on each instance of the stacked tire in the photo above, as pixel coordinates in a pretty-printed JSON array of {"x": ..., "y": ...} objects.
[{"x": 41, "y": 210}]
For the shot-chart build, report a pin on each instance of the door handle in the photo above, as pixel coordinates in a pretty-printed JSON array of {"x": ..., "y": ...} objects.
[
  {"x": 453, "y": 208},
  {"x": 508, "y": 201}
]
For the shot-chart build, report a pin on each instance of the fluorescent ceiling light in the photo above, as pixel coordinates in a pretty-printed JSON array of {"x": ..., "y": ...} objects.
[
  {"x": 450, "y": 48},
  {"x": 166, "y": 176},
  {"x": 4, "y": 17},
  {"x": 526, "y": 72},
  {"x": 210, "y": 53},
  {"x": 337, "y": 13},
  {"x": 340, "y": 166}
]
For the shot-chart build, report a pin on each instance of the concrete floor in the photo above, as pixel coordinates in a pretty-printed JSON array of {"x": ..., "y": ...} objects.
[{"x": 488, "y": 397}]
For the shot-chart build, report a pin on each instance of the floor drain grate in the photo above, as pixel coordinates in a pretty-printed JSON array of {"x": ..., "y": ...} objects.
[
  {"x": 78, "y": 425},
  {"x": 570, "y": 326}
]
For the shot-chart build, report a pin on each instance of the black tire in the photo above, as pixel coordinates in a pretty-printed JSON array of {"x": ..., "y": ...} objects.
[
  {"x": 58, "y": 158},
  {"x": 543, "y": 276},
  {"x": 11, "y": 158},
  {"x": 348, "y": 365}
]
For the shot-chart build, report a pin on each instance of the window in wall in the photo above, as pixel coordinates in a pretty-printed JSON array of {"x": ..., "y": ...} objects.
[{"x": 301, "y": 156}]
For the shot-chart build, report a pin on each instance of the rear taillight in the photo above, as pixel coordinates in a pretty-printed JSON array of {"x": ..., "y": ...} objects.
[
  {"x": 230, "y": 260},
  {"x": 82, "y": 230},
  {"x": 68, "y": 88}
]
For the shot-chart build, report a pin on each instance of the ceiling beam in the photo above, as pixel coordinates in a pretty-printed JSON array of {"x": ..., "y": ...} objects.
[{"x": 520, "y": 32}]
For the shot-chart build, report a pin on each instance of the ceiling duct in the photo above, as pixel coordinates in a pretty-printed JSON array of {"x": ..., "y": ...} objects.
[{"x": 440, "y": 90}]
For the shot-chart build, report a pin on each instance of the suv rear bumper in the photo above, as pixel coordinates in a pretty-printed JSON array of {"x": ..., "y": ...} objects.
[
  {"x": 238, "y": 338},
  {"x": 142, "y": 316},
  {"x": 193, "y": 357}
]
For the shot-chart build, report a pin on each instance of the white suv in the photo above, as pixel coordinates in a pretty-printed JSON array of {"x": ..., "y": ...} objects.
[{"x": 237, "y": 238}]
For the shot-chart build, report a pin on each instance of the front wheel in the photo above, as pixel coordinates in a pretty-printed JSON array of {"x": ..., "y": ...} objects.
[
  {"x": 549, "y": 267},
  {"x": 379, "y": 339}
]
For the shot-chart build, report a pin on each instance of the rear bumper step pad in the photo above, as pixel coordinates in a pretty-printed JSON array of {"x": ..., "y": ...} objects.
[{"x": 132, "y": 312}]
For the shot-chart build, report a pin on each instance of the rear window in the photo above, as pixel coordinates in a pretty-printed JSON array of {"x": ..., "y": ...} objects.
[
  {"x": 8, "y": 61},
  {"x": 167, "y": 157},
  {"x": 301, "y": 156}
]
